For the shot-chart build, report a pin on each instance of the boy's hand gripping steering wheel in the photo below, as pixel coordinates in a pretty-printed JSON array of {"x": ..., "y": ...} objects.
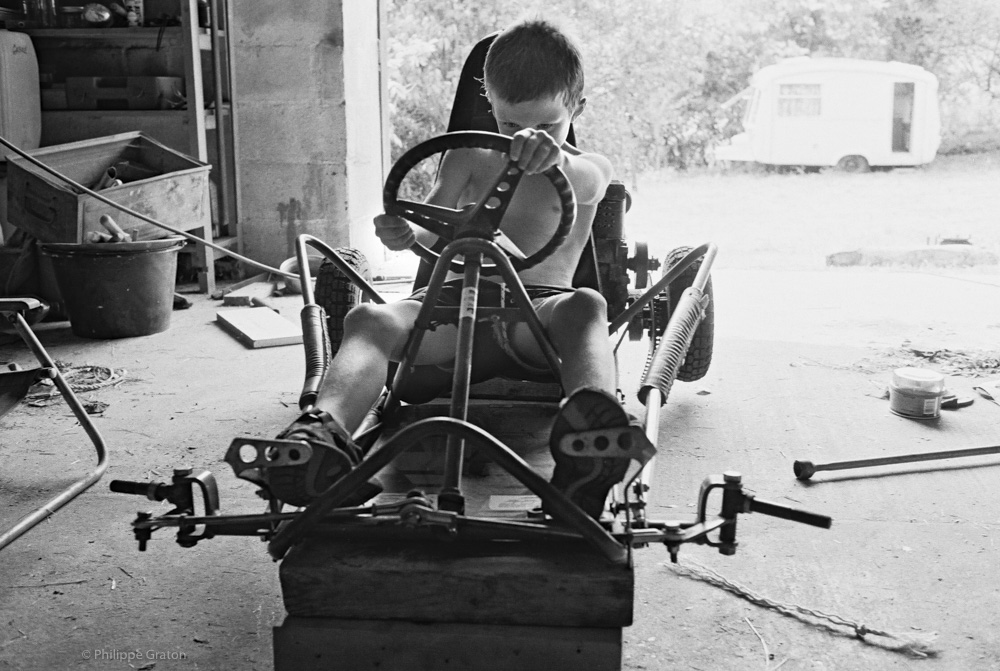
[{"x": 483, "y": 219}]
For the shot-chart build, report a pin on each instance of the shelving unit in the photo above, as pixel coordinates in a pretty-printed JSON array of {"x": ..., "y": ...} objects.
[{"x": 201, "y": 130}]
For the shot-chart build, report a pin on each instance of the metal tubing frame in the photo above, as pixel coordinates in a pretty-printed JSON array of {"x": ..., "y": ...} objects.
[
  {"x": 473, "y": 250},
  {"x": 462, "y": 380},
  {"x": 305, "y": 276},
  {"x": 557, "y": 503},
  {"x": 40, "y": 514},
  {"x": 455, "y": 428},
  {"x": 654, "y": 397}
]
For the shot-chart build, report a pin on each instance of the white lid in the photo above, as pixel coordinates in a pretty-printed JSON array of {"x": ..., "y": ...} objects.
[{"x": 921, "y": 379}]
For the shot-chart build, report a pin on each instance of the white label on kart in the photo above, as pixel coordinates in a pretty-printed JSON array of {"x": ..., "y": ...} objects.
[
  {"x": 518, "y": 502},
  {"x": 470, "y": 296}
]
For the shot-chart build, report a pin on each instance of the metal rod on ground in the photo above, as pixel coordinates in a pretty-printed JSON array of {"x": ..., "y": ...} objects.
[{"x": 805, "y": 469}]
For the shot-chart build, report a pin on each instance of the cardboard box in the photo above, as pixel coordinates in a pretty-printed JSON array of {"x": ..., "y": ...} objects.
[{"x": 158, "y": 182}]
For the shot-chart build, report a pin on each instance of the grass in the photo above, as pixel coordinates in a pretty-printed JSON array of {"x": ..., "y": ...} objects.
[{"x": 793, "y": 221}]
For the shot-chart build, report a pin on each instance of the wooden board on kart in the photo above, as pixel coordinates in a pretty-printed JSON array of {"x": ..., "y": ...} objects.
[{"x": 489, "y": 490}]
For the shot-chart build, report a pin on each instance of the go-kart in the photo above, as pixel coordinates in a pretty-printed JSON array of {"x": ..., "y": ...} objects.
[
  {"x": 470, "y": 558},
  {"x": 470, "y": 534}
]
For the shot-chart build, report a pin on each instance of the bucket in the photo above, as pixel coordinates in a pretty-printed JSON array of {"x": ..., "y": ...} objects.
[
  {"x": 294, "y": 286},
  {"x": 116, "y": 289},
  {"x": 916, "y": 393}
]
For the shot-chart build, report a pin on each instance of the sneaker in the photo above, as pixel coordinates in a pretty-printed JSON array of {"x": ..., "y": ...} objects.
[
  {"x": 334, "y": 454},
  {"x": 586, "y": 480}
]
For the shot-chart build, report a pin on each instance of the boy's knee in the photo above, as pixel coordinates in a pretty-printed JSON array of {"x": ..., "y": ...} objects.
[
  {"x": 374, "y": 323},
  {"x": 584, "y": 305},
  {"x": 580, "y": 309}
]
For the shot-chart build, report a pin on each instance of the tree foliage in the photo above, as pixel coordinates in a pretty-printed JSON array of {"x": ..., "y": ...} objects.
[{"x": 659, "y": 71}]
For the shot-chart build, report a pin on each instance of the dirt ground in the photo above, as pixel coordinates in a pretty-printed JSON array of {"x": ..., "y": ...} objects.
[{"x": 803, "y": 354}]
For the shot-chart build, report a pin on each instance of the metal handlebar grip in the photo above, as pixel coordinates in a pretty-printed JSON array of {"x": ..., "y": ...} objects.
[
  {"x": 791, "y": 514},
  {"x": 151, "y": 490}
]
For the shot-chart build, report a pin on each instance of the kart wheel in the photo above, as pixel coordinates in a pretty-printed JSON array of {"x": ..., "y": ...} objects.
[
  {"x": 699, "y": 354},
  {"x": 336, "y": 294}
]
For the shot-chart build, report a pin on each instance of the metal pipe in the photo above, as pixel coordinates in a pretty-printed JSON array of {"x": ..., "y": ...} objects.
[
  {"x": 652, "y": 427},
  {"x": 80, "y": 486},
  {"x": 305, "y": 277},
  {"x": 220, "y": 136},
  {"x": 462, "y": 377},
  {"x": 805, "y": 469}
]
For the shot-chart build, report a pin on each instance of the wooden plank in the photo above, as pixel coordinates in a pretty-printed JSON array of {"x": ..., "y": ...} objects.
[
  {"x": 259, "y": 327},
  {"x": 315, "y": 644},
  {"x": 262, "y": 290},
  {"x": 559, "y": 584}
]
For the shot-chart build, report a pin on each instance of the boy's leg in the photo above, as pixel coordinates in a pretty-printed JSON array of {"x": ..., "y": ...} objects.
[
  {"x": 577, "y": 325},
  {"x": 587, "y": 480},
  {"x": 373, "y": 336}
]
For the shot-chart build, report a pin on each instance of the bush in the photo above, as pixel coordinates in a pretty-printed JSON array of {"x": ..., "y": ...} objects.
[{"x": 659, "y": 71}]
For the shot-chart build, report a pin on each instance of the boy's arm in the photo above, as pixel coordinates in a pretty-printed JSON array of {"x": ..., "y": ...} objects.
[
  {"x": 535, "y": 152},
  {"x": 589, "y": 173},
  {"x": 453, "y": 175}
]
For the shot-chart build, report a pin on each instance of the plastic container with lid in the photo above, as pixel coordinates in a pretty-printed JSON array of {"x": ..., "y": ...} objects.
[{"x": 916, "y": 393}]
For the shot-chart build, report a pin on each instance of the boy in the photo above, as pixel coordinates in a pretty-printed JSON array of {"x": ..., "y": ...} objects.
[{"x": 534, "y": 82}]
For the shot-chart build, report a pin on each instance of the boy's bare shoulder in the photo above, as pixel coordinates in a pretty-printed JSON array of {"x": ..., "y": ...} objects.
[{"x": 599, "y": 159}]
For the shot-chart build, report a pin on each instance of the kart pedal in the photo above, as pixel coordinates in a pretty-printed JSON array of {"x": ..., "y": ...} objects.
[
  {"x": 247, "y": 453},
  {"x": 609, "y": 443}
]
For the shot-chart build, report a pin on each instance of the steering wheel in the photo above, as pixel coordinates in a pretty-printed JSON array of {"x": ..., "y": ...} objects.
[{"x": 483, "y": 219}]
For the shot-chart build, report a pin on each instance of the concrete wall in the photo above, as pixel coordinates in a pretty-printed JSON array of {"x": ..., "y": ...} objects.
[{"x": 307, "y": 96}]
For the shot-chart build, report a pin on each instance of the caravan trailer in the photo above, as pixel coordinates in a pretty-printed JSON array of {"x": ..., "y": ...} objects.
[{"x": 841, "y": 112}]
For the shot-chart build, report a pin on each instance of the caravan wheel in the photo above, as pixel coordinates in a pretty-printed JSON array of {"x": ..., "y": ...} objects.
[{"x": 853, "y": 163}]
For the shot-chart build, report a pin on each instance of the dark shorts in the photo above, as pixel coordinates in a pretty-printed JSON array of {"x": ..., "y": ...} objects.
[
  {"x": 491, "y": 294},
  {"x": 492, "y": 353}
]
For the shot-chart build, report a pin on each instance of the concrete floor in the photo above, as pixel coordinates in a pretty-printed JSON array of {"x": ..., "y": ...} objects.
[{"x": 801, "y": 358}]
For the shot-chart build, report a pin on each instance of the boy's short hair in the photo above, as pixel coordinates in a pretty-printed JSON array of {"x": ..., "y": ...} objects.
[{"x": 532, "y": 60}]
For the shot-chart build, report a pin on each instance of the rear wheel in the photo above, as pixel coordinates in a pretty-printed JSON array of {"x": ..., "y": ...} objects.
[
  {"x": 336, "y": 294},
  {"x": 699, "y": 354}
]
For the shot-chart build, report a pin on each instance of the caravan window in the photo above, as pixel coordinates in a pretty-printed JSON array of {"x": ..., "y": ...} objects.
[{"x": 798, "y": 100}]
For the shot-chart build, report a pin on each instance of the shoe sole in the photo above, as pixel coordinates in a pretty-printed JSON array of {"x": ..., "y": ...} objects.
[{"x": 587, "y": 480}]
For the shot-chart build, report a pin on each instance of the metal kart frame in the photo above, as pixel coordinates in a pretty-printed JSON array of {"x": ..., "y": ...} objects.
[
  {"x": 613, "y": 538},
  {"x": 14, "y": 385}
]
